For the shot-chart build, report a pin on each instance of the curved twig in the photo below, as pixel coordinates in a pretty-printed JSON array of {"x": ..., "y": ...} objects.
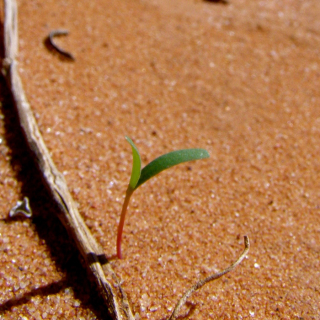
[
  {"x": 215, "y": 276},
  {"x": 50, "y": 41}
]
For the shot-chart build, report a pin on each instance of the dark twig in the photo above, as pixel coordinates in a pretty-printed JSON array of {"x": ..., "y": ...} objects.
[{"x": 51, "y": 43}]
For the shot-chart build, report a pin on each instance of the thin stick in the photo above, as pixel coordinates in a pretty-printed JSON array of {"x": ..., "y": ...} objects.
[
  {"x": 90, "y": 250},
  {"x": 215, "y": 276}
]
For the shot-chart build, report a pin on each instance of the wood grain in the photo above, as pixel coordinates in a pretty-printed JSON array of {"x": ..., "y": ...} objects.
[{"x": 92, "y": 253}]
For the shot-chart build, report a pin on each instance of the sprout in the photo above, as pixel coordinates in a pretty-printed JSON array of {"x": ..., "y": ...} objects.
[{"x": 138, "y": 176}]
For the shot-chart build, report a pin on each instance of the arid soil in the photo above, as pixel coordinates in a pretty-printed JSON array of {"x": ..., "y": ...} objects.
[{"x": 239, "y": 79}]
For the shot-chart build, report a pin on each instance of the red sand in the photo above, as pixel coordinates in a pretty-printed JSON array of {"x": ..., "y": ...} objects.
[{"x": 241, "y": 80}]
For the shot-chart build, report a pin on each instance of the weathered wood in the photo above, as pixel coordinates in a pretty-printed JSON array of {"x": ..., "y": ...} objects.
[{"x": 105, "y": 278}]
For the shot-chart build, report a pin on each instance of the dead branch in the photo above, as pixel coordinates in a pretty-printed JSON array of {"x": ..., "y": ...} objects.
[{"x": 90, "y": 250}]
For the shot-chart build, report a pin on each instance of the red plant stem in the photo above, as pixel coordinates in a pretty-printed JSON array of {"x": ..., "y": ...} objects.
[{"x": 122, "y": 218}]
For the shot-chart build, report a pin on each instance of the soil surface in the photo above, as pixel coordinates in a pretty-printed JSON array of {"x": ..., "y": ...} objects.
[{"x": 240, "y": 79}]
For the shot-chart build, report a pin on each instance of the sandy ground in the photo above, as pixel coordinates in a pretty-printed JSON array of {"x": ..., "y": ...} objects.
[{"x": 240, "y": 80}]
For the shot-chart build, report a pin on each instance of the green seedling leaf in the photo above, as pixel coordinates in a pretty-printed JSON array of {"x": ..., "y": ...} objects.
[
  {"x": 138, "y": 176},
  {"x": 169, "y": 160},
  {"x": 136, "y": 165}
]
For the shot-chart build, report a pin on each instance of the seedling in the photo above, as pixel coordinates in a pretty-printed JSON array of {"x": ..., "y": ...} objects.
[{"x": 138, "y": 176}]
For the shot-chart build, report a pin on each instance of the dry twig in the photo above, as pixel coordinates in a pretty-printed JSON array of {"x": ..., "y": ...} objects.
[
  {"x": 90, "y": 250},
  {"x": 215, "y": 276}
]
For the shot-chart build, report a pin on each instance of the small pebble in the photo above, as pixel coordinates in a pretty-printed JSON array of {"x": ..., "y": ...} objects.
[{"x": 21, "y": 208}]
